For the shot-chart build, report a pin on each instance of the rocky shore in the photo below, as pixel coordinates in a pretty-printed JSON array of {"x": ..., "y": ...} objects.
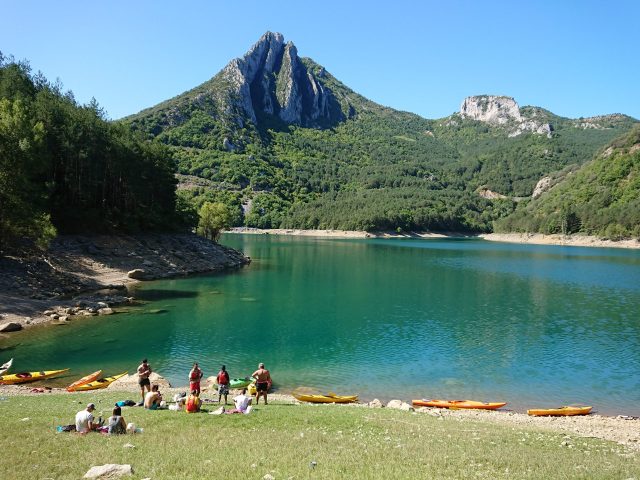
[{"x": 88, "y": 275}]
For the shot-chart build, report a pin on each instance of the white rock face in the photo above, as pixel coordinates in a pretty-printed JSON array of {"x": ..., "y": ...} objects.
[
  {"x": 495, "y": 110},
  {"x": 288, "y": 93},
  {"x": 542, "y": 186},
  {"x": 504, "y": 112}
]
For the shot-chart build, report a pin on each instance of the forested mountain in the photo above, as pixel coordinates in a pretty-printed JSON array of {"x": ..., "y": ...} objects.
[
  {"x": 64, "y": 168},
  {"x": 285, "y": 144},
  {"x": 600, "y": 198}
]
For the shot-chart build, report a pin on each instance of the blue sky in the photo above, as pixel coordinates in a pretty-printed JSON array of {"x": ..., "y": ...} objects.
[{"x": 575, "y": 58}]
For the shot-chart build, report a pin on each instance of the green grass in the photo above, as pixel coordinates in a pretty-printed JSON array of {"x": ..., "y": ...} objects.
[{"x": 283, "y": 439}]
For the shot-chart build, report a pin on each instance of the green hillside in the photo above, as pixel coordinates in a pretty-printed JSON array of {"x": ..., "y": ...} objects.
[
  {"x": 601, "y": 198},
  {"x": 341, "y": 161}
]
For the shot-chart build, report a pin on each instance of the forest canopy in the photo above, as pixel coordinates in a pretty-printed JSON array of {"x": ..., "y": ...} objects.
[{"x": 65, "y": 168}]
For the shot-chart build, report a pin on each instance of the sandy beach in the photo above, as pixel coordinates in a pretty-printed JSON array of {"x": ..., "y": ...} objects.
[
  {"x": 565, "y": 240},
  {"x": 524, "y": 238}
]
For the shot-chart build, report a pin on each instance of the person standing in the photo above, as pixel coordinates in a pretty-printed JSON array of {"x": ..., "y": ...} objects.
[
  {"x": 223, "y": 384},
  {"x": 263, "y": 377},
  {"x": 195, "y": 375},
  {"x": 144, "y": 372}
]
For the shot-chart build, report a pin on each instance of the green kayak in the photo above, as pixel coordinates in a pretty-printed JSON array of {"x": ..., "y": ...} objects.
[{"x": 240, "y": 382}]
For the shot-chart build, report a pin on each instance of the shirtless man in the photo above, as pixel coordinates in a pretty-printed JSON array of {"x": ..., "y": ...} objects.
[
  {"x": 263, "y": 378},
  {"x": 153, "y": 399},
  {"x": 144, "y": 370}
]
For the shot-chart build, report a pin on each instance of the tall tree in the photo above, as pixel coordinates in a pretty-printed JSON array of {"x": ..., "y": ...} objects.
[{"x": 214, "y": 218}]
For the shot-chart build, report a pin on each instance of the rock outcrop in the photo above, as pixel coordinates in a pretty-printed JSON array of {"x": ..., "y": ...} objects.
[
  {"x": 504, "y": 112},
  {"x": 271, "y": 79},
  {"x": 542, "y": 186}
]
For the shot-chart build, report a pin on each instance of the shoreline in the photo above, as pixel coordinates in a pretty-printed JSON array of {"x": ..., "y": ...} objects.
[
  {"x": 87, "y": 275},
  {"x": 521, "y": 238},
  {"x": 621, "y": 429}
]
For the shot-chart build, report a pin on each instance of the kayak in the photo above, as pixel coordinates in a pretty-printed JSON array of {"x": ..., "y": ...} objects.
[
  {"x": 97, "y": 384},
  {"x": 251, "y": 389},
  {"x": 84, "y": 380},
  {"x": 4, "y": 368},
  {"x": 328, "y": 398},
  {"x": 458, "y": 404},
  {"x": 25, "y": 377},
  {"x": 239, "y": 382},
  {"x": 560, "y": 411}
]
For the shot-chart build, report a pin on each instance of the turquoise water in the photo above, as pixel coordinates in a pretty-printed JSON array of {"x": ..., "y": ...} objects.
[{"x": 535, "y": 326}]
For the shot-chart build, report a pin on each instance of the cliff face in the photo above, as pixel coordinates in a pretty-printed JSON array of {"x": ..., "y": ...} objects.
[
  {"x": 503, "y": 112},
  {"x": 271, "y": 79}
]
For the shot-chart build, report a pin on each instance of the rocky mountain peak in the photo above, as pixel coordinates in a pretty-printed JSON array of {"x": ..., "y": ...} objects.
[
  {"x": 492, "y": 109},
  {"x": 502, "y": 111},
  {"x": 271, "y": 79}
]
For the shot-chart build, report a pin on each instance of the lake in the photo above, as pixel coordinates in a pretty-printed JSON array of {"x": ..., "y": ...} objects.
[{"x": 537, "y": 326}]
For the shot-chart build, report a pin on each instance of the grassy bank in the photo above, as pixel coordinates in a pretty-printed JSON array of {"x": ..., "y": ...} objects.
[{"x": 282, "y": 439}]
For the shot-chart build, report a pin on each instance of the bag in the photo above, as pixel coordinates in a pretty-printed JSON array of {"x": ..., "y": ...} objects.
[
  {"x": 67, "y": 428},
  {"x": 125, "y": 403}
]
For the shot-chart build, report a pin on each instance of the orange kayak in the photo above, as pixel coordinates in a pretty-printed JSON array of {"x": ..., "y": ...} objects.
[
  {"x": 84, "y": 380},
  {"x": 560, "y": 412},
  {"x": 458, "y": 404}
]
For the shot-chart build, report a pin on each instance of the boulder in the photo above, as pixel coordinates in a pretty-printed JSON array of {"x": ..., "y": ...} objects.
[
  {"x": 10, "y": 327},
  {"x": 375, "y": 403},
  {"x": 110, "y": 470},
  {"x": 136, "y": 274},
  {"x": 130, "y": 382},
  {"x": 400, "y": 405},
  {"x": 106, "y": 311}
]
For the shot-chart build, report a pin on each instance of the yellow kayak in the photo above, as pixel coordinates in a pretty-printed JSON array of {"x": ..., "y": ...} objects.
[
  {"x": 25, "y": 377},
  {"x": 101, "y": 383},
  {"x": 84, "y": 380},
  {"x": 328, "y": 398},
  {"x": 560, "y": 412}
]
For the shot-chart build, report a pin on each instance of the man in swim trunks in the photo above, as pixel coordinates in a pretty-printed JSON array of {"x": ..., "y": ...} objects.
[
  {"x": 153, "y": 399},
  {"x": 144, "y": 371},
  {"x": 194, "y": 378},
  {"x": 223, "y": 384},
  {"x": 263, "y": 378}
]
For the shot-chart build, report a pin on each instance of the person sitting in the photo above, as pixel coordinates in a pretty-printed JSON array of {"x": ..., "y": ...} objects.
[
  {"x": 84, "y": 420},
  {"x": 241, "y": 402},
  {"x": 192, "y": 405},
  {"x": 153, "y": 398},
  {"x": 116, "y": 424}
]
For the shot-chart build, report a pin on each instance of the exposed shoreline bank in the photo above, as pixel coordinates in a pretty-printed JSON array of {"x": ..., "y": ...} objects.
[
  {"x": 524, "y": 238},
  {"x": 86, "y": 275},
  {"x": 621, "y": 429}
]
